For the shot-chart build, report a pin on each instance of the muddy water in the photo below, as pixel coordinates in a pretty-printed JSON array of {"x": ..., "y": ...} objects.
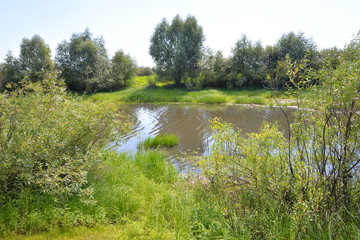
[{"x": 191, "y": 123}]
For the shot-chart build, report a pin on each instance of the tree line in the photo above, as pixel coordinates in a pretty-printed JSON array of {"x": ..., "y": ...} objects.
[
  {"x": 82, "y": 62},
  {"x": 180, "y": 56}
]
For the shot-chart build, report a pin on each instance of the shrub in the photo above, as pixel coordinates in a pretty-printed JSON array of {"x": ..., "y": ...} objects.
[
  {"x": 311, "y": 179},
  {"x": 49, "y": 139}
]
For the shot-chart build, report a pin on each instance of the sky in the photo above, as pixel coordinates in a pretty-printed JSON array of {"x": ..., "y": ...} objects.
[{"x": 129, "y": 25}]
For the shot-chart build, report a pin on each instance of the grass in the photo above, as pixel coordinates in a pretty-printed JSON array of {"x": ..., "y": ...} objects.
[
  {"x": 139, "y": 92},
  {"x": 250, "y": 100},
  {"x": 138, "y": 197},
  {"x": 166, "y": 140},
  {"x": 143, "y": 197}
]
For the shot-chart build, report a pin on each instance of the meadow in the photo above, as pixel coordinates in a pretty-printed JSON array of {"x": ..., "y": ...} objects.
[{"x": 142, "y": 92}]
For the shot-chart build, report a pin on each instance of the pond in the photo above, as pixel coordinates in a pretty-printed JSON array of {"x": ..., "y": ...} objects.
[{"x": 191, "y": 123}]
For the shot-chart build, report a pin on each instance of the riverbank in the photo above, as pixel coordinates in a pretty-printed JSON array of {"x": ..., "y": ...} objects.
[
  {"x": 141, "y": 92},
  {"x": 250, "y": 193},
  {"x": 140, "y": 197}
]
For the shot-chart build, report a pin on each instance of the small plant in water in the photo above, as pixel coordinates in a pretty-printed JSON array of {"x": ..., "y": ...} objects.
[{"x": 166, "y": 140}]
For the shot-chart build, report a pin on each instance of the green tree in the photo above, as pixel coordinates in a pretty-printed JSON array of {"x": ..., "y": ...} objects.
[
  {"x": 248, "y": 60},
  {"x": 297, "y": 46},
  {"x": 35, "y": 59},
  {"x": 215, "y": 71},
  {"x": 144, "y": 71},
  {"x": 330, "y": 57},
  {"x": 177, "y": 48},
  {"x": 34, "y": 63},
  {"x": 83, "y": 61},
  {"x": 10, "y": 71},
  {"x": 123, "y": 69},
  {"x": 271, "y": 58}
]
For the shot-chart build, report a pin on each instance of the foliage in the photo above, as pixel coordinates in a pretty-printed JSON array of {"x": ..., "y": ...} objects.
[
  {"x": 214, "y": 71},
  {"x": 123, "y": 69},
  {"x": 10, "y": 71},
  {"x": 84, "y": 65},
  {"x": 177, "y": 48},
  {"x": 248, "y": 60},
  {"x": 332, "y": 131},
  {"x": 330, "y": 57},
  {"x": 83, "y": 62},
  {"x": 34, "y": 63},
  {"x": 296, "y": 45},
  {"x": 35, "y": 59},
  {"x": 144, "y": 71},
  {"x": 309, "y": 179},
  {"x": 49, "y": 140}
]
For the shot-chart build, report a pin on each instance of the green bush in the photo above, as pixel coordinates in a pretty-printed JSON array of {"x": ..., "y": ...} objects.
[
  {"x": 49, "y": 140},
  {"x": 307, "y": 186}
]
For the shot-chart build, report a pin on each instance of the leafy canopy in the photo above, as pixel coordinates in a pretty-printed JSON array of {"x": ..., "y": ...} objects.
[
  {"x": 177, "y": 48},
  {"x": 81, "y": 60},
  {"x": 34, "y": 63}
]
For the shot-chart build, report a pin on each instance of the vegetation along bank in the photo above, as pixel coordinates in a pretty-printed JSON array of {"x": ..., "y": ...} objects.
[{"x": 59, "y": 180}]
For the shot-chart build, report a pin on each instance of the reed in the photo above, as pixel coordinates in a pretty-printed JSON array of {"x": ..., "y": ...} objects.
[{"x": 164, "y": 140}]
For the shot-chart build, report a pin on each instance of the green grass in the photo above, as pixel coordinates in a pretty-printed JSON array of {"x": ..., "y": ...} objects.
[
  {"x": 142, "y": 197},
  {"x": 139, "y": 92},
  {"x": 165, "y": 140}
]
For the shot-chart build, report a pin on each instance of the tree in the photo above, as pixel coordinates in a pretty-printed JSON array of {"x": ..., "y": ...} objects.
[
  {"x": 10, "y": 71},
  {"x": 82, "y": 61},
  {"x": 177, "y": 48},
  {"x": 34, "y": 63},
  {"x": 123, "y": 69},
  {"x": 248, "y": 60},
  {"x": 215, "y": 70},
  {"x": 144, "y": 71},
  {"x": 35, "y": 59},
  {"x": 297, "y": 46}
]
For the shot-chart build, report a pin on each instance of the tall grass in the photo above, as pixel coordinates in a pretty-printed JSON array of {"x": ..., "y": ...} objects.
[
  {"x": 139, "y": 92},
  {"x": 250, "y": 100},
  {"x": 142, "y": 195},
  {"x": 164, "y": 140}
]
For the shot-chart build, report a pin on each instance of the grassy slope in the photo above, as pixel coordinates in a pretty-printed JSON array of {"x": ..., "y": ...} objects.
[{"x": 140, "y": 93}]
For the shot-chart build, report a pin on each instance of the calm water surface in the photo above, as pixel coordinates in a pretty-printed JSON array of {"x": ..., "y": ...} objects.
[{"x": 191, "y": 123}]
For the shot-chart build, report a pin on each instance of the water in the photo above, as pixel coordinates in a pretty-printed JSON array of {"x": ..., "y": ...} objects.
[{"x": 191, "y": 123}]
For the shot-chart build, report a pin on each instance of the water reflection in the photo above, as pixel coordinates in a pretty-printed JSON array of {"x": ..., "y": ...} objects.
[{"x": 192, "y": 123}]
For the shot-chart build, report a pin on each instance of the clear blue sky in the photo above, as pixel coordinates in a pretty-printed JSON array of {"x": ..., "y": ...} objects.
[{"x": 128, "y": 25}]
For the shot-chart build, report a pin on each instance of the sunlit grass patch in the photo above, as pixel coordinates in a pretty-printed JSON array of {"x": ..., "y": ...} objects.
[
  {"x": 211, "y": 99},
  {"x": 165, "y": 140},
  {"x": 162, "y": 93}
]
